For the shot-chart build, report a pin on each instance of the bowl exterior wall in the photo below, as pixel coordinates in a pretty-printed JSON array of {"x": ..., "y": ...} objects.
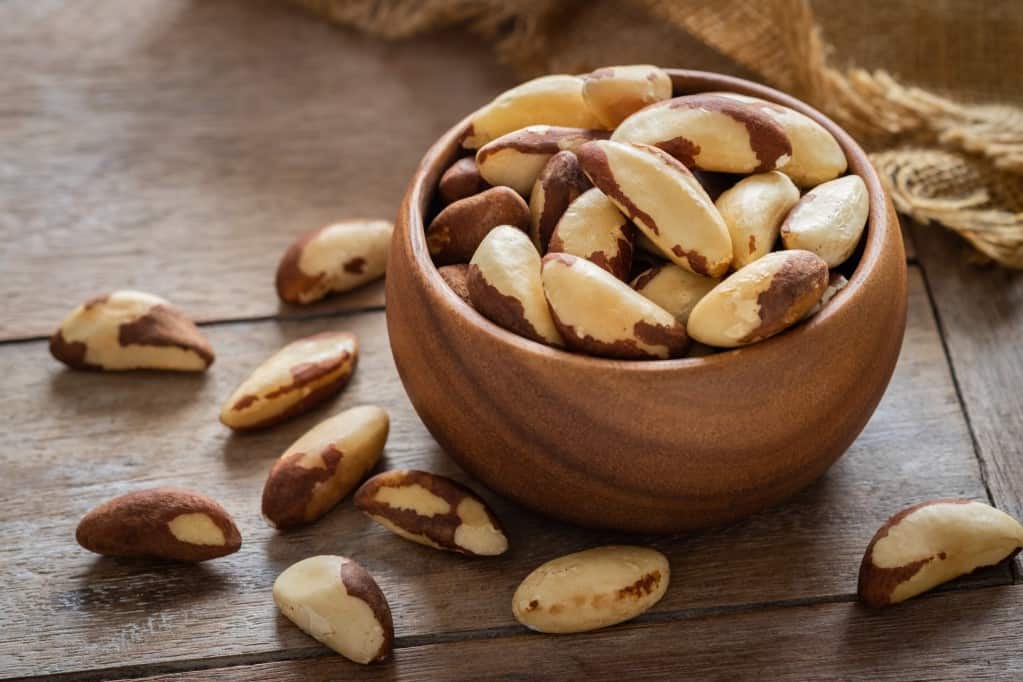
[{"x": 647, "y": 446}]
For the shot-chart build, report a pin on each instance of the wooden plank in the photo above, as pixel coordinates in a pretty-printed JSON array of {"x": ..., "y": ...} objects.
[
  {"x": 178, "y": 147},
  {"x": 84, "y": 437},
  {"x": 969, "y": 635},
  {"x": 981, "y": 315}
]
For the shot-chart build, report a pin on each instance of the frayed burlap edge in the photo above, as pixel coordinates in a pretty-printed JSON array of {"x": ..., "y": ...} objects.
[{"x": 944, "y": 162}]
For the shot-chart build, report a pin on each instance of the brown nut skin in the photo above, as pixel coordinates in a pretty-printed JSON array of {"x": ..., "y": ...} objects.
[
  {"x": 432, "y": 510},
  {"x": 455, "y": 277},
  {"x": 581, "y": 293},
  {"x": 555, "y": 100},
  {"x": 762, "y": 299},
  {"x": 319, "y": 469},
  {"x": 560, "y": 183},
  {"x": 664, "y": 200},
  {"x": 333, "y": 259},
  {"x": 616, "y": 92},
  {"x": 505, "y": 287},
  {"x": 164, "y": 523},
  {"x": 711, "y": 133},
  {"x": 594, "y": 229},
  {"x": 931, "y": 543},
  {"x": 591, "y": 589},
  {"x": 456, "y": 232},
  {"x": 127, "y": 330},
  {"x": 816, "y": 155},
  {"x": 336, "y": 601},
  {"x": 461, "y": 180},
  {"x": 293, "y": 380},
  {"x": 515, "y": 160}
]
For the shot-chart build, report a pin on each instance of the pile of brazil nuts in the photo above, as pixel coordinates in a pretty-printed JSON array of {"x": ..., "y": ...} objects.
[
  {"x": 601, "y": 215},
  {"x": 694, "y": 268}
]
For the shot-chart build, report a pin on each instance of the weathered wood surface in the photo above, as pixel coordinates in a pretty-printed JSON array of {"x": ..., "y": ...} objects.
[
  {"x": 178, "y": 146},
  {"x": 164, "y": 145},
  {"x": 981, "y": 314},
  {"x": 81, "y": 438},
  {"x": 970, "y": 635}
]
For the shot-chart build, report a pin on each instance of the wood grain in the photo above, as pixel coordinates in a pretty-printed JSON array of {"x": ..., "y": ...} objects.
[
  {"x": 981, "y": 314},
  {"x": 178, "y": 147},
  {"x": 81, "y": 438},
  {"x": 968, "y": 635}
]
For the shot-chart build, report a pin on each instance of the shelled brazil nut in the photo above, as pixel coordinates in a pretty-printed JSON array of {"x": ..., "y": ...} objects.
[
  {"x": 516, "y": 158},
  {"x": 504, "y": 284},
  {"x": 323, "y": 466},
  {"x": 334, "y": 259},
  {"x": 432, "y": 510},
  {"x": 592, "y": 228},
  {"x": 658, "y": 217},
  {"x": 559, "y": 184},
  {"x": 293, "y": 380},
  {"x": 127, "y": 330}
]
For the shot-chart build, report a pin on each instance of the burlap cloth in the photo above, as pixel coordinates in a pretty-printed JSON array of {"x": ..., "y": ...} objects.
[{"x": 950, "y": 147}]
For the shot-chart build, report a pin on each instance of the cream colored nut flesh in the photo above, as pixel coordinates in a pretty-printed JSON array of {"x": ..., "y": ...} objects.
[
  {"x": 664, "y": 200},
  {"x": 591, "y": 589},
  {"x": 760, "y": 300},
  {"x": 931, "y": 543},
  {"x": 594, "y": 229},
  {"x": 504, "y": 285},
  {"x": 334, "y": 259},
  {"x": 816, "y": 155},
  {"x": 336, "y": 601},
  {"x": 616, "y": 92},
  {"x": 128, "y": 330},
  {"x": 829, "y": 220},
  {"x": 299, "y": 376},
  {"x": 165, "y": 523},
  {"x": 673, "y": 288},
  {"x": 462, "y": 179},
  {"x": 456, "y": 232},
  {"x": 549, "y": 100},
  {"x": 599, "y": 314},
  {"x": 516, "y": 159},
  {"x": 712, "y": 133},
  {"x": 432, "y": 510},
  {"x": 753, "y": 210},
  {"x": 559, "y": 184},
  {"x": 319, "y": 469}
]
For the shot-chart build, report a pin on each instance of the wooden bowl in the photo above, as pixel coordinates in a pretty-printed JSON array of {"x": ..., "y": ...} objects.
[{"x": 651, "y": 446}]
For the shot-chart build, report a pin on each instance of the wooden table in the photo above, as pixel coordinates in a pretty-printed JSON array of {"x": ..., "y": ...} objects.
[{"x": 177, "y": 147}]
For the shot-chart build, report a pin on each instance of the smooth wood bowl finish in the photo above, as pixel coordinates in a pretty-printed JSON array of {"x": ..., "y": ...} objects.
[{"x": 653, "y": 446}]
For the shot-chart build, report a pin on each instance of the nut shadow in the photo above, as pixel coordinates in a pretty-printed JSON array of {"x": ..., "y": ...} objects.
[
  {"x": 136, "y": 392},
  {"x": 133, "y": 586}
]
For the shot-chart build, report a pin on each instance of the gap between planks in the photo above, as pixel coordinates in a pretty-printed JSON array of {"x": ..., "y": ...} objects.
[
  {"x": 1014, "y": 567},
  {"x": 349, "y": 312},
  {"x": 911, "y": 261},
  {"x": 314, "y": 651},
  {"x": 508, "y": 632}
]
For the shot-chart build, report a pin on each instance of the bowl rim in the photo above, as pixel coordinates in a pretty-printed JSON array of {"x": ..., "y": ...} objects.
[{"x": 433, "y": 163}]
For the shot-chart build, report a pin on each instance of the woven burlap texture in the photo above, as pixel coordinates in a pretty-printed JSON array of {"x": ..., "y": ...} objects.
[{"x": 958, "y": 165}]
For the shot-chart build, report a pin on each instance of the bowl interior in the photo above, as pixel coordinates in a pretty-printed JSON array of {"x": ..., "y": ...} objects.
[{"x": 423, "y": 204}]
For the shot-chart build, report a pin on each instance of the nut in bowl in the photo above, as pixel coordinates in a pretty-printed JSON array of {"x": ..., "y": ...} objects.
[{"x": 693, "y": 438}]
